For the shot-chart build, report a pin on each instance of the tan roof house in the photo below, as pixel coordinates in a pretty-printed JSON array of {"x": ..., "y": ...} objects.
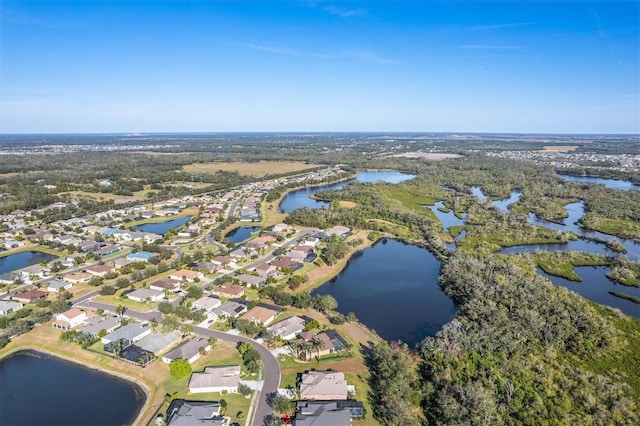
[
  {"x": 186, "y": 275},
  {"x": 260, "y": 315},
  {"x": 72, "y": 318},
  {"x": 323, "y": 385}
]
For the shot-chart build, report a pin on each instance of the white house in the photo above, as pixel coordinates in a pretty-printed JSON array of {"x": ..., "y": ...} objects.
[
  {"x": 57, "y": 286},
  {"x": 144, "y": 294},
  {"x": 288, "y": 328},
  {"x": 207, "y": 303},
  {"x": 216, "y": 379},
  {"x": 71, "y": 318},
  {"x": 6, "y": 307}
]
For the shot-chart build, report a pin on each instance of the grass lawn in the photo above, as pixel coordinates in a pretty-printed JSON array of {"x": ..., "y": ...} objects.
[
  {"x": 129, "y": 304},
  {"x": 258, "y": 169}
]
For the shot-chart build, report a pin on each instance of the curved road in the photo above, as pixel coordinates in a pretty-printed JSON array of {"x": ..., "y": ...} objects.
[{"x": 271, "y": 367}]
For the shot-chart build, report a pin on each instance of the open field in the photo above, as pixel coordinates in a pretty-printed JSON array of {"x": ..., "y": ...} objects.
[
  {"x": 258, "y": 169},
  {"x": 560, "y": 148},
  {"x": 100, "y": 196}
]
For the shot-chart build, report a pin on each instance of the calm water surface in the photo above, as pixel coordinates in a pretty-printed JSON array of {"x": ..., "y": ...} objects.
[
  {"x": 300, "y": 198},
  {"x": 24, "y": 259},
  {"x": 595, "y": 286},
  {"x": 502, "y": 205},
  {"x": 162, "y": 228},
  {"x": 38, "y": 389},
  {"x": 609, "y": 183},
  {"x": 238, "y": 235},
  {"x": 393, "y": 288}
]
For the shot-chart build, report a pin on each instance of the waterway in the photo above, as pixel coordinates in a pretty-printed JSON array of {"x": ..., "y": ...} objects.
[
  {"x": 161, "y": 228},
  {"x": 625, "y": 185},
  {"x": 300, "y": 198},
  {"x": 502, "y": 205},
  {"x": 595, "y": 286},
  {"x": 38, "y": 389},
  {"x": 240, "y": 234},
  {"x": 393, "y": 288},
  {"x": 24, "y": 259}
]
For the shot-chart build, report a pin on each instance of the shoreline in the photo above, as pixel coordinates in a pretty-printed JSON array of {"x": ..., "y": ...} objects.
[{"x": 142, "y": 412}]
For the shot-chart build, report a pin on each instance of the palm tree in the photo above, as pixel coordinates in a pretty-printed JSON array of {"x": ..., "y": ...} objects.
[
  {"x": 120, "y": 310},
  {"x": 317, "y": 344}
]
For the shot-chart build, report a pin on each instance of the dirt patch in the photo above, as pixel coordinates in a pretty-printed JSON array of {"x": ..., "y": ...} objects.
[
  {"x": 560, "y": 148},
  {"x": 258, "y": 169},
  {"x": 347, "y": 204}
]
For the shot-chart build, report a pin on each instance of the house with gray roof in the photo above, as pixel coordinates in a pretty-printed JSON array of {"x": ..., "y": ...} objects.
[
  {"x": 189, "y": 350},
  {"x": 252, "y": 280},
  {"x": 288, "y": 328},
  {"x": 206, "y": 303},
  {"x": 6, "y": 307},
  {"x": 57, "y": 286},
  {"x": 194, "y": 413},
  {"x": 146, "y": 294},
  {"x": 216, "y": 379},
  {"x": 130, "y": 332},
  {"x": 157, "y": 343},
  {"x": 94, "y": 325},
  {"x": 229, "y": 309},
  {"x": 321, "y": 413}
]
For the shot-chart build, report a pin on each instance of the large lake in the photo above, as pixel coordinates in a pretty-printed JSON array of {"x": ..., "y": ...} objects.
[
  {"x": 38, "y": 389},
  {"x": 24, "y": 259},
  {"x": 300, "y": 198},
  {"x": 240, "y": 234},
  {"x": 161, "y": 228},
  {"x": 392, "y": 287}
]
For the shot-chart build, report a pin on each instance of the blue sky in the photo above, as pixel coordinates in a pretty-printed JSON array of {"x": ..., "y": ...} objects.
[{"x": 207, "y": 66}]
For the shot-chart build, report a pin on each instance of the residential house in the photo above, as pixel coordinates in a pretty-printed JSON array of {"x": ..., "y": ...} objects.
[
  {"x": 145, "y": 294},
  {"x": 186, "y": 275},
  {"x": 341, "y": 231},
  {"x": 323, "y": 385},
  {"x": 71, "y": 319},
  {"x": 130, "y": 333},
  {"x": 328, "y": 340},
  {"x": 229, "y": 309},
  {"x": 141, "y": 256},
  {"x": 36, "y": 271},
  {"x": 77, "y": 277},
  {"x": 7, "y": 307},
  {"x": 107, "y": 250},
  {"x": 322, "y": 413},
  {"x": 216, "y": 379},
  {"x": 288, "y": 328},
  {"x": 287, "y": 262},
  {"x": 162, "y": 285},
  {"x": 260, "y": 315},
  {"x": 228, "y": 290},
  {"x": 252, "y": 280},
  {"x": 222, "y": 260},
  {"x": 157, "y": 343},
  {"x": 99, "y": 270},
  {"x": 11, "y": 244},
  {"x": 29, "y": 296},
  {"x": 94, "y": 325},
  {"x": 208, "y": 267},
  {"x": 188, "y": 350},
  {"x": 8, "y": 278},
  {"x": 206, "y": 303},
  {"x": 58, "y": 286},
  {"x": 194, "y": 413},
  {"x": 267, "y": 271}
]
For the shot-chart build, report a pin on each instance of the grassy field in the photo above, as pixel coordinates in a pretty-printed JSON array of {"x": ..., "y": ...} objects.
[{"x": 258, "y": 169}]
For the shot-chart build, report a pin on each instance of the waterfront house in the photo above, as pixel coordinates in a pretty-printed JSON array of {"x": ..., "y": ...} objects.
[
  {"x": 216, "y": 379},
  {"x": 94, "y": 325},
  {"x": 323, "y": 385},
  {"x": 7, "y": 307},
  {"x": 8, "y": 278},
  {"x": 157, "y": 343},
  {"x": 130, "y": 333},
  {"x": 288, "y": 328},
  {"x": 188, "y": 350},
  {"x": 36, "y": 271},
  {"x": 71, "y": 318},
  {"x": 194, "y": 413}
]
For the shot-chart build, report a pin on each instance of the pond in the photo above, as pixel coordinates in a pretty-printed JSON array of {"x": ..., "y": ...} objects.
[
  {"x": 300, "y": 198},
  {"x": 393, "y": 288},
  {"x": 161, "y": 228},
  {"x": 502, "y": 205},
  {"x": 24, "y": 259},
  {"x": 38, "y": 389},
  {"x": 625, "y": 185},
  {"x": 448, "y": 218},
  {"x": 238, "y": 235},
  {"x": 595, "y": 286}
]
